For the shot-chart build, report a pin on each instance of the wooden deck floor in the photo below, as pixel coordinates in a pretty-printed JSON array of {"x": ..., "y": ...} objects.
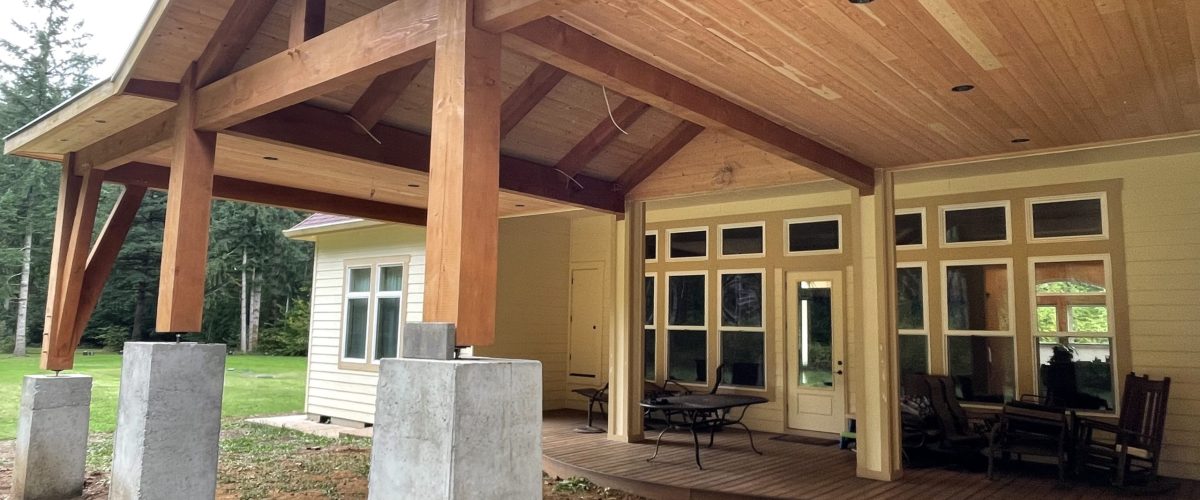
[{"x": 785, "y": 470}]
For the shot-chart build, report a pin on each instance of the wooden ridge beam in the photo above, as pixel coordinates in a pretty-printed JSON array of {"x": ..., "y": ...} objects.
[
  {"x": 230, "y": 188},
  {"x": 317, "y": 129},
  {"x": 601, "y": 136},
  {"x": 396, "y": 35},
  {"x": 104, "y": 255},
  {"x": 230, "y": 40},
  {"x": 64, "y": 222},
  {"x": 307, "y": 22},
  {"x": 502, "y": 15},
  {"x": 526, "y": 96},
  {"x": 144, "y": 138},
  {"x": 383, "y": 93},
  {"x": 554, "y": 42},
  {"x": 658, "y": 155}
]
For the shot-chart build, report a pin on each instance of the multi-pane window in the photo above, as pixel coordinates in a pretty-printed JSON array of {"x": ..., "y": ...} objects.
[
  {"x": 374, "y": 312},
  {"x": 910, "y": 319},
  {"x": 1074, "y": 332},
  {"x": 742, "y": 333},
  {"x": 687, "y": 244},
  {"x": 1073, "y": 217},
  {"x": 813, "y": 235},
  {"x": 975, "y": 224},
  {"x": 977, "y": 305},
  {"x": 650, "y": 339},
  {"x": 742, "y": 240},
  {"x": 687, "y": 327}
]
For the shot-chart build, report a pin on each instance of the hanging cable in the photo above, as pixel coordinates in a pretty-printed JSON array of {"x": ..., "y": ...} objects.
[
  {"x": 364, "y": 129},
  {"x": 609, "y": 107},
  {"x": 569, "y": 177}
]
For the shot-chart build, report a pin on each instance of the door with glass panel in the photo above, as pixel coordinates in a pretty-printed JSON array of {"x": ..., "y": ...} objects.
[{"x": 816, "y": 384}]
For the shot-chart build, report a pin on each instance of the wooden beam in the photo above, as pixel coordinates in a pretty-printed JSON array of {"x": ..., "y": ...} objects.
[
  {"x": 229, "y": 42},
  {"x": 525, "y": 97},
  {"x": 462, "y": 235},
  {"x": 152, "y": 89},
  {"x": 666, "y": 148},
  {"x": 104, "y": 255},
  {"x": 62, "y": 341},
  {"x": 498, "y": 16},
  {"x": 604, "y": 133},
  {"x": 229, "y": 188},
  {"x": 185, "y": 232},
  {"x": 384, "y": 91},
  {"x": 308, "y": 21},
  {"x": 554, "y": 42},
  {"x": 64, "y": 221},
  {"x": 317, "y": 129},
  {"x": 396, "y": 35},
  {"x": 145, "y": 138}
]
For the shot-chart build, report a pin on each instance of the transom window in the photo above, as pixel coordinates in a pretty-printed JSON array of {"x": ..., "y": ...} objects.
[
  {"x": 687, "y": 327},
  {"x": 687, "y": 244},
  {"x": 742, "y": 333},
  {"x": 742, "y": 240},
  {"x": 374, "y": 311},
  {"x": 813, "y": 235},
  {"x": 910, "y": 228},
  {"x": 1068, "y": 218},
  {"x": 651, "y": 246},
  {"x": 975, "y": 224},
  {"x": 1072, "y": 300}
]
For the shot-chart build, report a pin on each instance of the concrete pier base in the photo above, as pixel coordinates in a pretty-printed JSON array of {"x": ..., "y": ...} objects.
[
  {"x": 168, "y": 421},
  {"x": 455, "y": 429},
  {"x": 52, "y": 432}
]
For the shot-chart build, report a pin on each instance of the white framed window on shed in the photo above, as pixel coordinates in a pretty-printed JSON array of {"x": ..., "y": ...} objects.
[
  {"x": 356, "y": 319},
  {"x": 373, "y": 311}
]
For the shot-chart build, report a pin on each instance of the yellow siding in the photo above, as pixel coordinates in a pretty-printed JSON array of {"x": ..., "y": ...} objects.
[{"x": 592, "y": 242}]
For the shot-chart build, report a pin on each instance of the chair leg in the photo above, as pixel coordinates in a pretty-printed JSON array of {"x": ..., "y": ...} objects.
[
  {"x": 991, "y": 464},
  {"x": 1122, "y": 464}
]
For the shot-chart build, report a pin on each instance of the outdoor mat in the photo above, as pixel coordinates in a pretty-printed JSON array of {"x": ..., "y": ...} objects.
[{"x": 805, "y": 440}]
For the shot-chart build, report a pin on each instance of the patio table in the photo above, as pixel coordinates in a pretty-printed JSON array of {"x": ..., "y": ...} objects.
[{"x": 700, "y": 411}]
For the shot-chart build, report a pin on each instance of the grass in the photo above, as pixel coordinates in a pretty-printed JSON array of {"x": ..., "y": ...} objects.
[{"x": 254, "y": 385}]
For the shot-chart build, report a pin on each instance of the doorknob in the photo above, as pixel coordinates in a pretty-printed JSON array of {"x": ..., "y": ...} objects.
[{"x": 839, "y": 372}]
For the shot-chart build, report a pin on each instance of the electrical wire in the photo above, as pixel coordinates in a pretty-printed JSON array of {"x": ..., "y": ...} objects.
[{"x": 609, "y": 107}]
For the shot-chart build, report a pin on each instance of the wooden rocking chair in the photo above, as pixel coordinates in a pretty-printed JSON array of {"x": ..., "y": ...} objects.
[{"x": 1136, "y": 438}]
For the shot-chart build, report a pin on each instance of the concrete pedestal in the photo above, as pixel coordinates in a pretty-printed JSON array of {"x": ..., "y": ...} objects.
[
  {"x": 168, "y": 421},
  {"x": 52, "y": 432},
  {"x": 456, "y": 429}
]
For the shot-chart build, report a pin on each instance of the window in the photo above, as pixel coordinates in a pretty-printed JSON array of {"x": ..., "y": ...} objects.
[
  {"x": 910, "y": 228},
  {"x": 688, "y": 244},
  {"x": 975, "y": 224},
  {"x": 977, "y": 297},
  {"x": 742, "y": 334},
  {"x": 813, "y": 235},
  {"x": 1076, "y": 217},
  {"x": 650, "y": 339},
  {"x": 911, "y": 319},
  {"x": 687, "y": 329},
  {"x": 979, "y": 336},
  {"x": 742, "y": 240},
  {"x": 651, "y": 246},
  {"x": 374, "y": 311},
  {"x": 1074, "y": 332},
  {"x": 982, "y": 367}
]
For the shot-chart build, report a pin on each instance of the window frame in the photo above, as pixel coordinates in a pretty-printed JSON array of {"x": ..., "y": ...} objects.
[
  {"x": 652, "y": 377},
  {"x": 787, "y": 237},
  {"x": 674, "y": 231},
  {"x": 1011, "y": 333},
  {"x": 347, "y": 296},
  {"x": 1008, "y": 233},
  {"x": 762, "y": 231},
  {"x": 657, "y": 249},
  {"x": 379, "y": 293},
  {"x": 762, "y": 328},
  {"x": 669, "y": 328},
  {"x": 1100, "y": 195},
  {"x": 923, "y": 332},
  {"x": 924, "y": 227},
  {"x": 369, "y": 363}
]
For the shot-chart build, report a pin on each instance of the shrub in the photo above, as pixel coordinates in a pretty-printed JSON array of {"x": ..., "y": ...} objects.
[
  {"x": 112, "y": 337},
  {"x": 289, "y": 337}
]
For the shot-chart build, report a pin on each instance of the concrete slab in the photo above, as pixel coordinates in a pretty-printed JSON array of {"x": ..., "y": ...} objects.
[
  {"x": 168, "y": 421},
  {"x": 301, "y": 423},
  {"x": 52, "y": 432},
  {"x": 466, "y": 428}
]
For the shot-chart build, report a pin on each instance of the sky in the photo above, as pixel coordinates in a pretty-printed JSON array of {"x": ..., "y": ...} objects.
[{"x": 113, "y": 25}]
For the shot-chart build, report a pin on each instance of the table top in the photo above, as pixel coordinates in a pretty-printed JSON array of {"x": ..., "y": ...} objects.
[{"x": 702, "y": 402}]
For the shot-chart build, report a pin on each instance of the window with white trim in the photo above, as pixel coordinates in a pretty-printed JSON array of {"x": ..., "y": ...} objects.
[
  {"x": 813, "y": 235},
  {"x": 742, "y": 240},
  {"x": 1074, "y": 334},
  {"x": 742, "y": 333},
  {"x": 1065, "y": 218},
  {"x": 976, "y": 310},
  {"x": 976, "y": 224},
  {"x": 374, "y": 308},
  {"x": 650, "y": 332},
  {"x": 910, "y": 228},
  {"x": 687, "y": 244},
  {"x": 687, "y": 327},
  {"x": 912, "y": 318}
]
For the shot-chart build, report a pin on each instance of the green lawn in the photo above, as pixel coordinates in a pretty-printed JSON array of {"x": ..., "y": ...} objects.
[{"x": 279, "y": 390}]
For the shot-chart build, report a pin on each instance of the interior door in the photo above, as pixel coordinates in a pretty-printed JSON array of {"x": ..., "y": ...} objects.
[
  {"x": 816, "y": 383},
  {"x": 587, "y": 313}
]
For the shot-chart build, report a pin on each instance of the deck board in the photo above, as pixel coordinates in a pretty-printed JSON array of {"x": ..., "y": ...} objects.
[{"x": 785, "y": 470}]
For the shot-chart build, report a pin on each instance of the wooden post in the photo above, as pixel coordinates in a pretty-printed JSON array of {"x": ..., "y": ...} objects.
[
  {"x": 185, "y": 233},
  {"x": 104, "y": 255},
  {"x": 627, "y": 370},
  {"x": 464, "y": 177},
  {"x": 308, "y": 21},
  {"x": 877, "y": 394},
  {"x": 64, "y": 221}
]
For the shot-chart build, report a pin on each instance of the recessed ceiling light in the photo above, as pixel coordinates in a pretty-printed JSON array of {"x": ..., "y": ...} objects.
[
  {"x": 414, "y": 185},
  {"x": 1020, "y": 140},
  {"x": 270, "y": 158},
  {"x": 520, "y": 205},
  {"x": 101, "y": 121},
  {"x": 966, "y": 87},
  {"x": 860, "y": 2}
]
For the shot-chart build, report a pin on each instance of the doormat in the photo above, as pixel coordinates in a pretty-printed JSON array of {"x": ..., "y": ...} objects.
[{"x": 816, "y": 441}]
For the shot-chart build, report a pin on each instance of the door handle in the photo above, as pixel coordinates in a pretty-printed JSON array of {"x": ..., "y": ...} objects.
[{"x": 839, "y": 372}]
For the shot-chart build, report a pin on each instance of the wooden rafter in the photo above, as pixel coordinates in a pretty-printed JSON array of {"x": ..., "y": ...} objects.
[
  {"x": 554, "y": 42},
  {"x": 152, "y": 89},
  {"x": 230, "y": 40},
  {"x": 317, "y": 129},
  {"x": 396, "y": 35},
  {"x": 104, "y": 255},
  {"x": 502, "y": 15},
  {"x": 308, "y": 21},
  {"x": 604, "y": 133},
  {"x": 526, "y": 96},
  {"x": 667, "y": 147},
  {"x": 61, "y": 344},
  {"x": 144, "y": 138},
  {"x": 64, "y": 222},
  {"x": 229, "y": 188},
  {"x": 383, "y": 92}
]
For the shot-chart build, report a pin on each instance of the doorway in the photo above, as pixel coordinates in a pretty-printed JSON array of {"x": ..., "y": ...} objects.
[
  {"x": 814, "y": 332},
  {"x": 586, "y": 322}
]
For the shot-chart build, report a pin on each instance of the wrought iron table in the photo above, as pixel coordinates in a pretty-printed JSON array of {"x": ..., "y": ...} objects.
[{"x": 702, "y": 411}]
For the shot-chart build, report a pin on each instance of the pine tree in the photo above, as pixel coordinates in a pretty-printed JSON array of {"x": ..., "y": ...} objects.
[{"x": 44, "y": 69}]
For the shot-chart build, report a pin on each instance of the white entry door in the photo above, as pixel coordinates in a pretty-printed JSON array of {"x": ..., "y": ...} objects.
[
  {"x": 587, "y": 317},
  {"x": 816, "y": 384}
]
